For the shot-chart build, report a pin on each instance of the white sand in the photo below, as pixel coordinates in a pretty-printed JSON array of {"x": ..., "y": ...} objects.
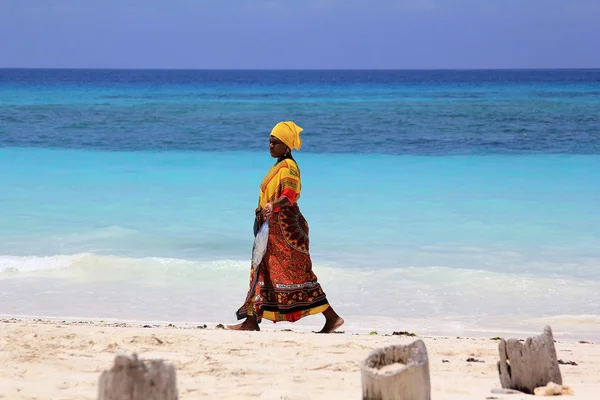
[{"x": 52, "y": 360}]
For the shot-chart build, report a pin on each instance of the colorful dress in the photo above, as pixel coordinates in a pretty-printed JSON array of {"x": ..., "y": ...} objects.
[{"x": 283, "y": 287}]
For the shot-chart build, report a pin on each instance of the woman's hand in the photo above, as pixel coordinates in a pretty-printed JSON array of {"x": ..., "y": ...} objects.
[{"x": 268, "y": 210}]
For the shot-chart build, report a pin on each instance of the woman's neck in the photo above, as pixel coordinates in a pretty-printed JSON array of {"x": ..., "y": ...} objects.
[{"x": 285, "y": 157}]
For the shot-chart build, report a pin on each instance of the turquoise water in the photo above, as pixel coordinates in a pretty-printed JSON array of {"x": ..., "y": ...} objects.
[{"x": 135, "y": 200}]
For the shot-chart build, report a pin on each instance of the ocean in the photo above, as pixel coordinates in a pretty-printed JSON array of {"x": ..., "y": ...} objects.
[{"x": 439, "y": 202}]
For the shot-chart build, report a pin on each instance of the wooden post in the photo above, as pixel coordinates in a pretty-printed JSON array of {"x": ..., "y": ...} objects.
[
  {"x": 399, "y": 372},
  {"x": 526, "y": 366},
  {"x": 132, "y": 379}
]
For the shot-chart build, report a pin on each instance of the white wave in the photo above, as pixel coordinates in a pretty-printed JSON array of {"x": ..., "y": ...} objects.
[
  {"x": 38, "y": 263},
  {"x": 425, "y": 299},
  {"x": 28, "y": 264},
  {"x": 414, "y": 275}
]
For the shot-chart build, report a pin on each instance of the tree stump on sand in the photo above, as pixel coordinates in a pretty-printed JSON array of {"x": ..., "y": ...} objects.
[
  {"x": 398, "y": 372},
  {"x": 526, "y": 366},
  {"x": 133, "y": 379}
]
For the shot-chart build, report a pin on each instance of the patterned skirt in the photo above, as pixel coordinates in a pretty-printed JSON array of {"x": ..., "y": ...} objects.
[{"x": 283, "y": 287}]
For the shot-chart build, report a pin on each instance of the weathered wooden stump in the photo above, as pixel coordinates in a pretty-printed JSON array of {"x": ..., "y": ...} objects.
[
  {"x": 133, "y": 379},
  {"x": 399, "y": 372},
  {"x": 526, "y": 366}
]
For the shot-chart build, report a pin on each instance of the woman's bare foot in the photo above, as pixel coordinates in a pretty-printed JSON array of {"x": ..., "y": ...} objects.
[
  {"x": 249, "y": 324},
  {"x": 332, "y": 321}
]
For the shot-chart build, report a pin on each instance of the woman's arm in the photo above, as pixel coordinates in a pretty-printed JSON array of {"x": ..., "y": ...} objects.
[{"x": 282, "y": 202}]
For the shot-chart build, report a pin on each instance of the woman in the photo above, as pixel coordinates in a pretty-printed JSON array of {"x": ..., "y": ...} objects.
[{"x": 283, "y": 287}]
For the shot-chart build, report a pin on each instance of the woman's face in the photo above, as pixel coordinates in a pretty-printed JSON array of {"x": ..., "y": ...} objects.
[{"x": 276, "y": 147}]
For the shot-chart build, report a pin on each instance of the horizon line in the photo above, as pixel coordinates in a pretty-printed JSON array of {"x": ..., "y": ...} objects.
[{"x": 300, "y": 69}]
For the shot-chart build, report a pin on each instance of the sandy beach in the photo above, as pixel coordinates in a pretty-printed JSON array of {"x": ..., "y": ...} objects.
[{"x": 63, "y": 360}]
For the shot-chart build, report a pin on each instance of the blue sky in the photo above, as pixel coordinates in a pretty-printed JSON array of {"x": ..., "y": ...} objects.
[{"x": 300, "y": 34}]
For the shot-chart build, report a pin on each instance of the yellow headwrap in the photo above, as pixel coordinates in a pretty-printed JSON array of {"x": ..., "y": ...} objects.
[{"x": 289, "y": 133}]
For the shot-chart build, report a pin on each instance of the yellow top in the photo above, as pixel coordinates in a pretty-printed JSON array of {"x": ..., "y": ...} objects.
[{"x": 283, "y": 179}]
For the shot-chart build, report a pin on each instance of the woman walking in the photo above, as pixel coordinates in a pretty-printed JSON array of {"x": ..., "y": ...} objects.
[{"x": 283, "y": 287}]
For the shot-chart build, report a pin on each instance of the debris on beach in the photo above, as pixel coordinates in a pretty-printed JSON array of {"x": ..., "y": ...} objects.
[
  {"x": 553, "y": 389},
  {"x": 506, "y": 391},
  {"x": 561, "y": 362},
  {"x": 524, "y": 366},
  {"x": 132, "y": 378},
  {"x": 404, "y": 333},
  {"x": 396, "y": 372},
  {"x": 471, "y": 359}
]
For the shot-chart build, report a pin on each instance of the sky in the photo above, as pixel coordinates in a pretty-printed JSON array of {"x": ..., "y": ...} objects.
[{"x": 300, "y": 34}]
